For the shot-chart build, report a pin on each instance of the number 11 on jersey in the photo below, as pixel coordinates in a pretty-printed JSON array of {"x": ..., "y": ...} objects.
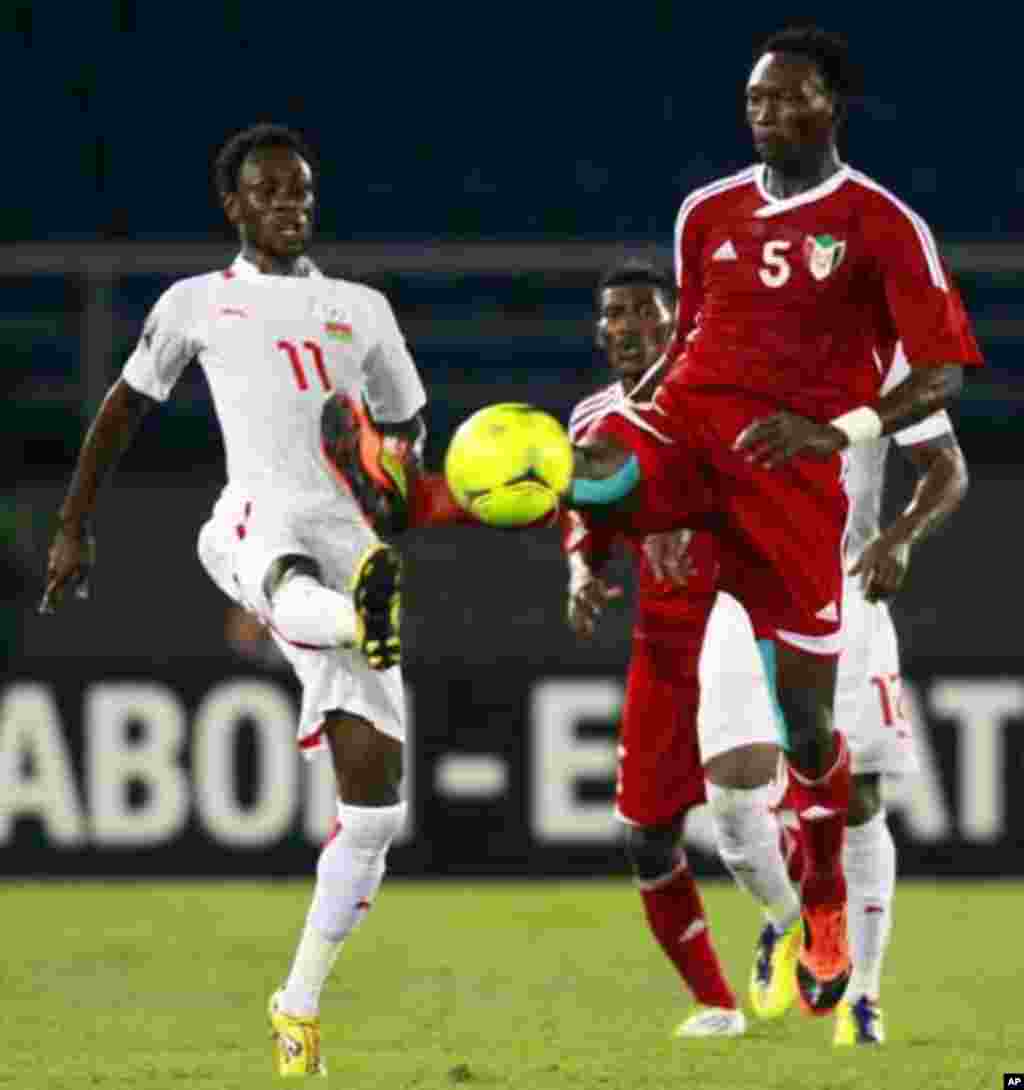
[{"x": 316, "y": 352}]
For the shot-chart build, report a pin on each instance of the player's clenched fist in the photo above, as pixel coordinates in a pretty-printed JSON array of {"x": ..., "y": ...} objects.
[{"x": 71, "y": 557}]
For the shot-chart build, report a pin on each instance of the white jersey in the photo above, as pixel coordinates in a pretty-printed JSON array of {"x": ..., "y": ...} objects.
[
  {"x": 865, "y": 465},
  {"x": 273, "y": 349}
]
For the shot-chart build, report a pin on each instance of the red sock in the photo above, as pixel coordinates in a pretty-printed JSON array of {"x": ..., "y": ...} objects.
[
  {"x": 821, "y": 806},
  {"x": 431, "y": 503},
  {"x": 674, "y": 911}
]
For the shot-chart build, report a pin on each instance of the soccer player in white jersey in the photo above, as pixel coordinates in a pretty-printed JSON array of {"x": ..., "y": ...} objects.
[
  {"x": 278, "y": 342},
  {"x": 736, "y": 708}
]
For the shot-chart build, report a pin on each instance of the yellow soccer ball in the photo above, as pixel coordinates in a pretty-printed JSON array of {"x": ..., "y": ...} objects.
[{"x": 508, "y": 464}]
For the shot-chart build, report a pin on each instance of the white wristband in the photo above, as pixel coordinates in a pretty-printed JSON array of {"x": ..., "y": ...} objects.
[{"x": 860, "y": 425}]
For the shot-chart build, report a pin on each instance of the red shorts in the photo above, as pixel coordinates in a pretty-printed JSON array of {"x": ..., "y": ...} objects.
[
  {"x": 660, "y": 772},
  {"x": 780, "y": 531}
]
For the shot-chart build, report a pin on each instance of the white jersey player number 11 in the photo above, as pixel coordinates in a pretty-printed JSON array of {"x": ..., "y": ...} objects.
[{"x": 316, "y": 354}]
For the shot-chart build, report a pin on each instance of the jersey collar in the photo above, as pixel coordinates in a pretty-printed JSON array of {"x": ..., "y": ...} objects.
[
  {"x": 776, "y": 205},
  {"x": 244, "y": 269}
]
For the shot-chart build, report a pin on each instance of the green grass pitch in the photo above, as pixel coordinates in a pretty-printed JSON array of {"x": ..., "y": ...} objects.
[{"x": 530, "y": 985}]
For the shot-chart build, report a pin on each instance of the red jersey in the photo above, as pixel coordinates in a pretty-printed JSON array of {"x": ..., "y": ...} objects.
[
  {"x": 664, "y": 609},
  {"x": 789, "y": 298}
]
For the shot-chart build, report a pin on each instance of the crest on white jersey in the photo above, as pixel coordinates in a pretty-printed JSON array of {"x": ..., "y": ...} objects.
[
  {"x": 823, "y": 254},
  {"x": 336, "y": 319}
]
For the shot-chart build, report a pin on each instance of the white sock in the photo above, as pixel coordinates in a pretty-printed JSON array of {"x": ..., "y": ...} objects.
[
  {"x": 869, "y": 861},
  {"x": 349, "y": 873},
  {"x": 305, "y": 611},
  {"x": 747, "y": 834}
]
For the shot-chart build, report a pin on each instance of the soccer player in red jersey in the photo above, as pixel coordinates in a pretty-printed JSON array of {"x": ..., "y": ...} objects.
[
  {"x": 660, "y": 774},
  {"x": 792, "y": 274}
]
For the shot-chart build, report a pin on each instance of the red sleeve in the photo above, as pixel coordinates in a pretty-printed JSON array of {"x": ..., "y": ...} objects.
[
  {"x": 689, "y": 279},
  {"x": 431, "y": 503},
  {"x": 920, "y": 294}
]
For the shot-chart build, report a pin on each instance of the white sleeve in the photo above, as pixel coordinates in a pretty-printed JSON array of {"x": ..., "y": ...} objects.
[
  {"x": 165, "y": 347},
  {"x": 932, "y": 426},
  {"x": 393, "y": 390}
]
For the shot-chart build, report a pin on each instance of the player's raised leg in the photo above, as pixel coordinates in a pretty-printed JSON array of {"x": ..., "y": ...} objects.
[
  {"x": 383, "y": 473},
  {"x": 251, "y": 552},
  {"x": 368, "y": 767},
  {"x": 308, "y": 613}
]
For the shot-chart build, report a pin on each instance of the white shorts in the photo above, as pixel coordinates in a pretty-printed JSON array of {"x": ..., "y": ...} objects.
[
  {"x": 237, "y": 545},
  {"x": 869, "y": 707},
  {"x": 736, "y": 706}
]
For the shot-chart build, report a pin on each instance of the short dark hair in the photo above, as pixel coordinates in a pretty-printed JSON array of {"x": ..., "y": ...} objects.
[
  {"x": 829, "y": 52},
  {"x": 636, "y": 271},
  {"x": 233, "y": 154}
]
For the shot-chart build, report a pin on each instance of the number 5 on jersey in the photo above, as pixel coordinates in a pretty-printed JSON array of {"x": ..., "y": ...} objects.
[
  {"x": 776, "y": 270},
  {"x": 316, "y": 353}
]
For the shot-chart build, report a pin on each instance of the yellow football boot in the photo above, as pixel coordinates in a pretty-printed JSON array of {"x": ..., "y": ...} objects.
[
  {"x": 859, "y": 1023},
  {"x": 296, "y": 1042},
  {"x": 376, "y": 591},
  {"x": 773, "y": 988}
]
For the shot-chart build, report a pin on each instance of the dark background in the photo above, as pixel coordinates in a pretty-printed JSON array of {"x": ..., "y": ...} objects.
[{"x": 481, "y": 165}]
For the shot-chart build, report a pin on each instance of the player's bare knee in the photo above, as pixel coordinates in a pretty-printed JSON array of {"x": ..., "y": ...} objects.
[
  {"x": 865, "y": 798},
  {"x": 367, "y": 762},
  {"x": 744, "y": 767},
  {"x": 806, "y": 689},
  {"x": 808, "y": 719},
  {"x": 283, "y": 568},
  {"x": 653, "y": 850}
]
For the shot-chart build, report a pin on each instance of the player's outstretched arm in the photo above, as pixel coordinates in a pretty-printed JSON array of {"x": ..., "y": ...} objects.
[
  {"x": 604, "y": 479},
  {"x": 588, "y": 549},
  {"x": 941, "y": 487},
  {"x": 72, "y": 552}
]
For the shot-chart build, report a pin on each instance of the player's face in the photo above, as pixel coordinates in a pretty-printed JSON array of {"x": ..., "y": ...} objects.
[
  {"x": 273, "y": 207},
  {"x": 634, "y": 327},
  {"x": 790, "y": 112}
]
